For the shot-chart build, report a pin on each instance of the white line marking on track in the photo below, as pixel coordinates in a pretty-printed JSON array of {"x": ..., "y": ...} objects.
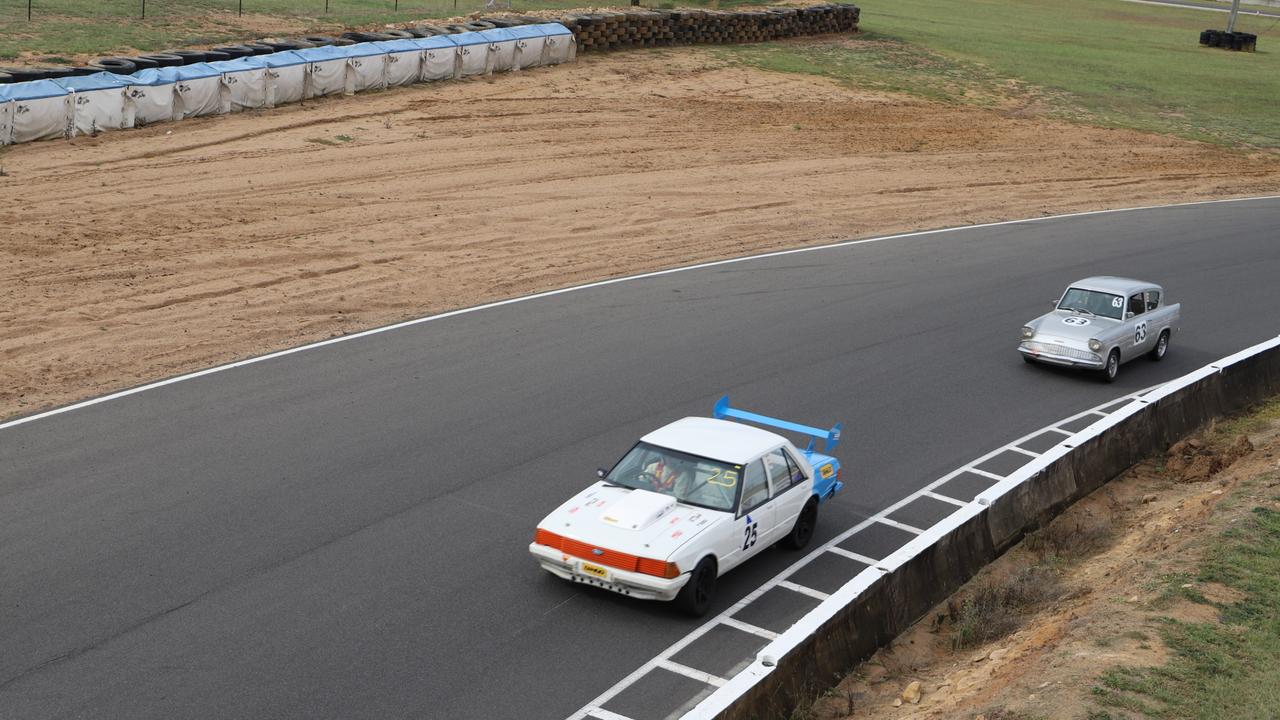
[
  {"x": 749, "y": 628},
  {"x": 901, "y": 526},
  {"x": 853, "y": 556},
  {"x": 984, "y": 473},
  {"x": 587, "y": 286},
  {"x": 725, "y": 618},
  {"x": 944, "y": 498},
  {"x": 603, "y": 714},
  {"x": 1028, "y": 453},
  {"x": 793, "y": 587},
  {"x": 694, "y": 673},
  {"x": 1067, "y": 433}
]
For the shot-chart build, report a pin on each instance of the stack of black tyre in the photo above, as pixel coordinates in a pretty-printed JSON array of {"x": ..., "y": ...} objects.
[
  {"x": 51, "y": 72},
  {"x": 643, "y": 28},
  {"x": 1247, "y": 42}
]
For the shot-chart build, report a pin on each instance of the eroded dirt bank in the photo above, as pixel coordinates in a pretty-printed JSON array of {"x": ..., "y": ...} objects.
[
  {"x": 1059, "y": 627},
  {"x": 141, "y": 254}
]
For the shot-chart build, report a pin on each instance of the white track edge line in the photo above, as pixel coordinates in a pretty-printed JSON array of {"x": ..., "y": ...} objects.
[
  {"x": 692, "y": 673},
  {"x": 600, "y": 283},
  {"x": 746, "y": 627},
  {"x": 803, "y": 590},
  {"x": 603, "y": 714}
]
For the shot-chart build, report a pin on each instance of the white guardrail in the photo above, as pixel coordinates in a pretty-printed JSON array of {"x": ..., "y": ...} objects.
[{"x": 767, "y": 659}]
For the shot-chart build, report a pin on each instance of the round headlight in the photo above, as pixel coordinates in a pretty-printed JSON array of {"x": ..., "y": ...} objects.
[
  {"x": 1095, "y": 346},
  {"x": 1027, "y": 332}
]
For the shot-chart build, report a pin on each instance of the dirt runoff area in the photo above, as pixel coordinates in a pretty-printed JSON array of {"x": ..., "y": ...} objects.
[
  {"x": 142, "y": 254},
  {"x": 1105, "y": 613}
]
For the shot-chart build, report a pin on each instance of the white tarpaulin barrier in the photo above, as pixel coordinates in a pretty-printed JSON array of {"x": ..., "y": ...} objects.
[
  {"x": 286, "y": 76},
  {"x": 328, "y": 70},
  {"x": 561, "y": 46},
  {"x": 439, "y": 57},
  {"x": 6, "y": 122},
  {"x": 200, "y": 89},
  {"x": 151, "y": 95},
  {"x": 245, "y": 82},
  {"x": 41, "y": 110},
  {"x": 98, "y": 102},
  {"x": 403, "y": 59},
  {"x": 473, "y": 54},
  {"x": 62, "y": 108},
  {"x": 502, "y": 49},
  {"x": 367, "y": 62}
]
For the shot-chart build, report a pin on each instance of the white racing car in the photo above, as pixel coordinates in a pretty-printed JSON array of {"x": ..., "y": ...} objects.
[{"x": 689, "y": 502}]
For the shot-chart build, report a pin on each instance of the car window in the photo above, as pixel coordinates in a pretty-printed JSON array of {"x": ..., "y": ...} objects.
[
  {"x": 1092, "y": 302},
  {"x": 1136, "y": 304},
  {"x": 755, "y": 488},
  {"x": 797, "y": 475},
  {"x": 779, "y": 471},
  {"x": 1153, "y": 299}
]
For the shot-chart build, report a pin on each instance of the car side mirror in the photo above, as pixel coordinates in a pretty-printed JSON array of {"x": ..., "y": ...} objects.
[
  {"x": 601, "y": 472},
  {"x": 1128, "y": 315}
]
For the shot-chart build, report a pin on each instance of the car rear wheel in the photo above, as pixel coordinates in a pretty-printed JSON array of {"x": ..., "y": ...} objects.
[
  {"x": 1112, "y": 368},
  {"x": 802, "y": 532},
  {"x": 1162, "y": 347},
  {"x": 695, "y": 597}
]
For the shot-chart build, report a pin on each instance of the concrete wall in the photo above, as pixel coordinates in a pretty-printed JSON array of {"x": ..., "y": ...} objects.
[{"x": 884, "y": 600}]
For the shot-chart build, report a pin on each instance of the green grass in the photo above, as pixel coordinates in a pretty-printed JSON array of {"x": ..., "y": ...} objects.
[
  {"x": 1101, "y": 61},
  {"x": 1225, "y": 670},
  {"x": 100, "y": 27}
]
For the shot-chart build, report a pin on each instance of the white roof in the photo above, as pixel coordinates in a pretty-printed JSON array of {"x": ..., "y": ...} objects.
[{"x": 715, "y": 439}]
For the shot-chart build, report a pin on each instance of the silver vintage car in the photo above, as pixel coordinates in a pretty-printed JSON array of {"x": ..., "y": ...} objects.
[{"x": 1101, "y": 322}]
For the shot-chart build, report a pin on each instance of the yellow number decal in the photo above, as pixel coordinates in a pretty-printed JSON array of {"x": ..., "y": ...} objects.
[
  {"x": 826, "y": 471},
  {"x": 723, "y": 478}
]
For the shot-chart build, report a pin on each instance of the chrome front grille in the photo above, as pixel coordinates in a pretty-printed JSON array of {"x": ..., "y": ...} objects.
[{"x": 1061, "y": 351}]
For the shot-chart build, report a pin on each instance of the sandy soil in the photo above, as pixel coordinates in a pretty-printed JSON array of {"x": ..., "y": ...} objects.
[
  {"x": 1103, "y": 610},
  {"x": 141, "y": 254}
]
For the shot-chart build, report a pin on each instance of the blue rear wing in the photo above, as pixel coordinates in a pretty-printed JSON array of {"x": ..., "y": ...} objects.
[{"x": 830, "y": 438}]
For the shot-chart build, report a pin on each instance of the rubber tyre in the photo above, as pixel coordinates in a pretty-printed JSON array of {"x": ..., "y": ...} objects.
[
  {"x": 235, "y": 51},
  {"x": 161, "y": 60},
  {"x": 399, "y": 34},
  {"x": 1161, "y": 349},
  {"x": 321, "y": 40},
  {"x": 117, "y": 65},
  {"x": 1112, "y": 370},
  {"x": 259, "y": 48},
  {"x": 802, "y": 532},
  {"x": 189, "y": 57},
  {"x": 696, "y": 595}
]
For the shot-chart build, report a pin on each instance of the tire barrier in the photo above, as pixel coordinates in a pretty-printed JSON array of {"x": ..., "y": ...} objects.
[
  {"x": 650, "y": 28},
  {"x": 1243, "y": 41},
  {"x": 120, "y": 94},
  {"x": 886, "y": 599}
]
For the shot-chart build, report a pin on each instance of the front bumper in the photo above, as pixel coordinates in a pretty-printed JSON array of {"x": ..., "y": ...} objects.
[
  {"x": 632, "y": 584},
  {"x": 1063, "y": 355}
]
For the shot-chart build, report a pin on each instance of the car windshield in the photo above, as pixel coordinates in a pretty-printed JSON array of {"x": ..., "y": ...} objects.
[
  {"x": 1094, "y": 302},
  {"x": 688, "y": 478}
]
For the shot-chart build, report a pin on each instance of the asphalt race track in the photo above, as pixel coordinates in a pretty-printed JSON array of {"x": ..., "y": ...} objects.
[{"x": 342, "y": 532}]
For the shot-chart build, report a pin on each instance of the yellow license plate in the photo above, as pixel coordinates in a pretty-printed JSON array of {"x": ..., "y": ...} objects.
[{"x": 595, "y": 570}]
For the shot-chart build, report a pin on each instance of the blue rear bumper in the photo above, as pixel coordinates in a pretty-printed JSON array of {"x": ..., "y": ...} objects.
[{"x": 826, "y": 476}]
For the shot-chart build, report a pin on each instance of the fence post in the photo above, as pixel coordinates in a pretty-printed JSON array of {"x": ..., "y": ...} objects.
[
  {"x": 240, "y": 9},
  {"x": 28, "y": 10},
  {"x": 144, "y": 9}
]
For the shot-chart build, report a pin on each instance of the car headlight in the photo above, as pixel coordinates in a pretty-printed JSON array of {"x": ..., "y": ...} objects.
[
  {"x": 1027, "y": 332},
  {"x": 1095, "y": 346}
]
